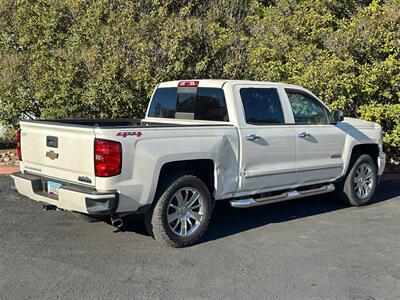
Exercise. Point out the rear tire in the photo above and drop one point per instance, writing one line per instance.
(359, 186)
(182, 213)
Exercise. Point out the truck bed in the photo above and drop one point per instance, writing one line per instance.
(92, 122)
(113, 123)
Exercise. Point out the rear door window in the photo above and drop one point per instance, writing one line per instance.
(262, 106)
(189, 103)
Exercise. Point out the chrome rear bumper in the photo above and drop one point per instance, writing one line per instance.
(70, 197)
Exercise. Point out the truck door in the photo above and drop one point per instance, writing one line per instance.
(268, 159)
(319, 144)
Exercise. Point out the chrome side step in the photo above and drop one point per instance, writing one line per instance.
(251, 202)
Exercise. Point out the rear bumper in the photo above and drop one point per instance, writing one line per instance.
(71, 197)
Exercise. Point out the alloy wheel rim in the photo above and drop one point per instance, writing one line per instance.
(185, 211)
(363, 181)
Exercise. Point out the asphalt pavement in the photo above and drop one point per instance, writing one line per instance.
(311, 248)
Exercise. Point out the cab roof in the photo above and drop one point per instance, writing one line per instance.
(219, 83)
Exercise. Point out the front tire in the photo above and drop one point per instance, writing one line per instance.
(182, 212)
(359, 186)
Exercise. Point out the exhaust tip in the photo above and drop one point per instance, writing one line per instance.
(117, 222)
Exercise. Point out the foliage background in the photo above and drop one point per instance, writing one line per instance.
(102, 58)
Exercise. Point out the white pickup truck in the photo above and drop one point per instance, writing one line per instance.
(248, 142)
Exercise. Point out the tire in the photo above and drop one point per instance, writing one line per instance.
(172, 221)
(350, 189)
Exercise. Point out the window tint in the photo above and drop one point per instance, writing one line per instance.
(262, 106)
(189, 103)
(306, 109)
(210, 105)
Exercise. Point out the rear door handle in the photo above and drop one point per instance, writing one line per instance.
(252, 137)
(303, 134)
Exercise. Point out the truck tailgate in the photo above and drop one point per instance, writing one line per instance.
(58, 151)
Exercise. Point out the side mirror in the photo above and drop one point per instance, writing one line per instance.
(337, 116)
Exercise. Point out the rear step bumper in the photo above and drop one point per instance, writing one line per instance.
(70, 197)
(251, 202)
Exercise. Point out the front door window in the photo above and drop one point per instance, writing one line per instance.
(306, 109)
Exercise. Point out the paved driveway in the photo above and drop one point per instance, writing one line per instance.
(310, 248)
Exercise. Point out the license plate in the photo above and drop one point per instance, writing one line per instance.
(53, 188)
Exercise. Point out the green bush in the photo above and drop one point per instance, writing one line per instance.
(348, 54)
(7, 135)
(388, 115)
(102, 58)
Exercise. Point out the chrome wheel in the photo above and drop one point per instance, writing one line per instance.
(363, 181)
(185, 211)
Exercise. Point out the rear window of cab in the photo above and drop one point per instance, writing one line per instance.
(193, 103)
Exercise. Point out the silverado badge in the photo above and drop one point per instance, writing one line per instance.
(52, 155)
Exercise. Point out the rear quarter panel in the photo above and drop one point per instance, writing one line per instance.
(146, 152)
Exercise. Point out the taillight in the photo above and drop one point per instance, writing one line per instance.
(19, 152)
(190, 83)
(107, 158)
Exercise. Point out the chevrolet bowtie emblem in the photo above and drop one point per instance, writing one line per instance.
(52, 155)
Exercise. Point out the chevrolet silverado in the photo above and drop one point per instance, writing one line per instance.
(248, 142)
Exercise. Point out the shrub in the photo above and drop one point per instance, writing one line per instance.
(102, 58)
(388, 115)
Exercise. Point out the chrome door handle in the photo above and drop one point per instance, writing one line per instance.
(303, 134)
(252, 137)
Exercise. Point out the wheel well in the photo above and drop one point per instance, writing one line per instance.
(202, 168)
(370, 149)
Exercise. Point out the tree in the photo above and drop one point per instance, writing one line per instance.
(103, 58)
(349, 57)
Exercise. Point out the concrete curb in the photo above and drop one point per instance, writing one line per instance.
(8, 170)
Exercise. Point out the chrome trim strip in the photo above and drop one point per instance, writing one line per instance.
(336, 166)
(269, 173)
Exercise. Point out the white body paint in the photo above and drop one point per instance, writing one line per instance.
(278, 160)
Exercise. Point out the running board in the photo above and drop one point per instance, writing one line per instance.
(251, 202)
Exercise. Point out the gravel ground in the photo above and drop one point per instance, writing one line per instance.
(310, 248)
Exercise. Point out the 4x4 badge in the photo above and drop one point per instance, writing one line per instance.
(130, 133)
